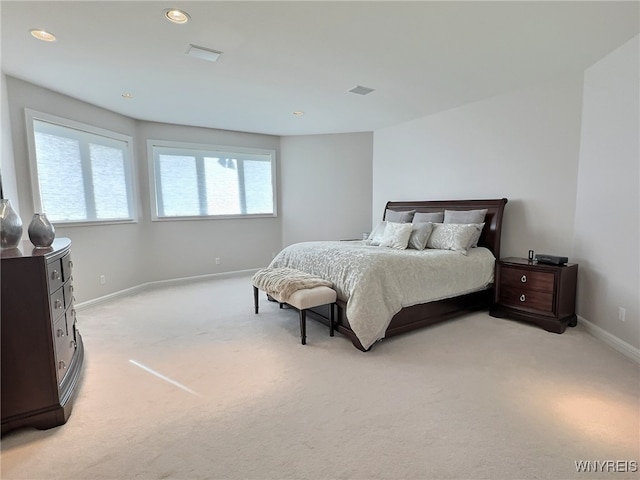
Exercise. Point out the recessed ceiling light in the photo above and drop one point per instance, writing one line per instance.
(176, 16)
(42, 35)
(128, 96)
(298, 113)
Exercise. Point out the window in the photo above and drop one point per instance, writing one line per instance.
(79, 173)
(208, 181)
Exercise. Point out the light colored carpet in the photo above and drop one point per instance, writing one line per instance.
(473, 398)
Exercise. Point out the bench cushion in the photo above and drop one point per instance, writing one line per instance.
(309, 297)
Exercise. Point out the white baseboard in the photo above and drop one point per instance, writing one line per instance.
(621, 346)
(161, 283)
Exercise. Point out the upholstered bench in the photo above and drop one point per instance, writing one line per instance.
(297, 289)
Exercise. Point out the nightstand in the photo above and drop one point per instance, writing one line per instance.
(538, 293)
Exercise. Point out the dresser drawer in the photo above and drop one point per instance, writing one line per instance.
(68, 295)
(67, 267)
(65, 346)
(54, 275)
(527, 279)
(527, 298)
(57, 303)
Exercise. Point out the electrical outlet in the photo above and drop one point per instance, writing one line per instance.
(622, 313)
(217, 260)
(103, 279)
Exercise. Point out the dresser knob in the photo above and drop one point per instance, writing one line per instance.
(72, 344)
(523, 279)
(60, 333)
(70, 264)
(522, 298)
(57, 304)
(55, 275)
(61, 365)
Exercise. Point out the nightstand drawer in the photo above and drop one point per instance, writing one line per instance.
(527, 279)
(527, 298)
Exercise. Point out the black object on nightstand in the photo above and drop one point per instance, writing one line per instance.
(541, 294)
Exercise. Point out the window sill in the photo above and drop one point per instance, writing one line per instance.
(92, 223)
(214, 217)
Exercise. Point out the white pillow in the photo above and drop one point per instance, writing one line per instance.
(396, 235)
(376, 235)
(453, 236)
(419, 235)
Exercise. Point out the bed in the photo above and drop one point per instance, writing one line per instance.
(383, 292)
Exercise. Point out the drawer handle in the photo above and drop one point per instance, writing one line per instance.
(70, 264)
(57, 304)
(72, 344)
(71, 288)
(55, 275)
(522, 298)
(523, 279)
(61, 365)
(60, 332)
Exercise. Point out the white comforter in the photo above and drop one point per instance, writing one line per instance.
(377, 282)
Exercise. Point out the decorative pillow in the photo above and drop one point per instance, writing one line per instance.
(376, 235)
(464, 216)
(452, 236)
(419, 235)
(396, 235)
(434, 217)
(476, 237)
(398, 217)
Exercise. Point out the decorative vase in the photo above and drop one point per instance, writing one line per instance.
(41, 231)
(10, 225)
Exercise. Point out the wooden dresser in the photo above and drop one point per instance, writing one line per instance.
(42, 351)
(534, 292)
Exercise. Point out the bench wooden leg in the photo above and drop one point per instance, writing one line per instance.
(332, 320)
(303, 327)
(255, 298)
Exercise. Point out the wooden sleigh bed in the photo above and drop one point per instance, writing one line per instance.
(424, 314)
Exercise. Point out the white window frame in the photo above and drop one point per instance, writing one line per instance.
(130, 170)
(200, 147)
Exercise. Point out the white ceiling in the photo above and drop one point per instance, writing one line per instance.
(421, 57)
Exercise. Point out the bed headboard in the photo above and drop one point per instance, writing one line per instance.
(492, 231)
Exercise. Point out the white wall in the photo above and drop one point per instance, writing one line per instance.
(326, 187)
(132, 254)
(521, 145)
(607, 238)
(7, 167)
(96, 250)
(185, 248)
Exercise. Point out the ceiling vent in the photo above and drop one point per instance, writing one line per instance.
(360, 90)
(203, 53)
